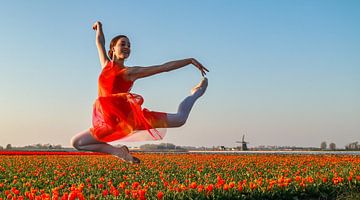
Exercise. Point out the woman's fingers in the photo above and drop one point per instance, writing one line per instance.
(202, 69)
(202, 72)
(198, 65)
(97, 25)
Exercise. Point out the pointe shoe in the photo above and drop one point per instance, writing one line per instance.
(201, 87)
(124, 155)
(134, 160)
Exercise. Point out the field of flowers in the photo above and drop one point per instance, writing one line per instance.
(177, 176)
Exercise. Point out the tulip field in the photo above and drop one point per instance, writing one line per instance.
(62, 175)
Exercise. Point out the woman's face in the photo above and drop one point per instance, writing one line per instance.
(122, 48)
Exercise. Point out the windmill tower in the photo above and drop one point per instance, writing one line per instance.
(243, 146)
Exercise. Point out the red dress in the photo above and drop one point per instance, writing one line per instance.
(117, 113)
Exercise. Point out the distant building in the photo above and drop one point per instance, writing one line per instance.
(243, 146)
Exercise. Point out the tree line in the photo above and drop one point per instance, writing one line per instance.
(35, 146)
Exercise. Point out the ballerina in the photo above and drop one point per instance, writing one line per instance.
(117, 113)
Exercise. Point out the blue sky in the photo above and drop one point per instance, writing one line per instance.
(282, 72)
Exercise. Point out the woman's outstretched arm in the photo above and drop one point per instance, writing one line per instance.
(100, 44)
(141, 72)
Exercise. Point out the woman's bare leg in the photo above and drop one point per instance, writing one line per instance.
(85, 141)
(178, 119)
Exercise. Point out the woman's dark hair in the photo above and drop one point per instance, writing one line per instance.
(112, 44)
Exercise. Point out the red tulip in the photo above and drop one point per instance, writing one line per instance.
(160, 195)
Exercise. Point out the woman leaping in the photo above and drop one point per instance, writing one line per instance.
(118, 113)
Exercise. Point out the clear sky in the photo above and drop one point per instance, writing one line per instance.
(281, 72)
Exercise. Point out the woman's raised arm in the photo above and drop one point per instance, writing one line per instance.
(141, 72)
(100, 43)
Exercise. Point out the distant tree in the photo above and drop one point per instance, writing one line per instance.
(323, 145)
(162, 146)
(332, 146)
(148, 147)
(353, 146)
(8, 146)
(1, 148)
(166, 146)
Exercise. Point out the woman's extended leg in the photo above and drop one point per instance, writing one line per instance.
(178, 119)
(85, 141)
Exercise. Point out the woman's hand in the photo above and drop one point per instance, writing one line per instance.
(99, 33)
(198, 65)
(97, 26)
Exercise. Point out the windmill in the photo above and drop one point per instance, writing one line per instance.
(243, 146)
